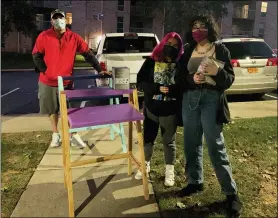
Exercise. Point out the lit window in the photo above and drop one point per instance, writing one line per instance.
(245, 10)
(69, 18)
(263, 9)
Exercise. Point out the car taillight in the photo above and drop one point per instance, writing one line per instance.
(103, 66)
(271, 62)
(235, 63)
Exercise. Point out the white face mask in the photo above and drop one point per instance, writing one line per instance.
(59, 24)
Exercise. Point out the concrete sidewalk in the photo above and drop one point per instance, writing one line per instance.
(100, 190)
(253, 109)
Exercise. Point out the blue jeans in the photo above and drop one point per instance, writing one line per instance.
(199, 110)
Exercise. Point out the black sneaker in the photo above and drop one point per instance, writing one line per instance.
(234, 206)
(191, 189)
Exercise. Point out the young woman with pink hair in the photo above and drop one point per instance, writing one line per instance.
(157, 79)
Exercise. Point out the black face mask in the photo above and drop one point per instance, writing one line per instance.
(170, 51)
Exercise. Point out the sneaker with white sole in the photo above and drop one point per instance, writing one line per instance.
(55, 140)
(77, 141)
(138, 175)
(169, 176)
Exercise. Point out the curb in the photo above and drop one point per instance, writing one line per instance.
(16, 70)
(27, 70)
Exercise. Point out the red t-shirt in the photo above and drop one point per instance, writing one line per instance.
(59, 55)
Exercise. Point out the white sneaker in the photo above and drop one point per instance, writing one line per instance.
(77, 141)
(55, 140)
(169, 176)
(138, 175)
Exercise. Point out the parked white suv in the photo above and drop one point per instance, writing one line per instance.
(125, 50)
(255, 66)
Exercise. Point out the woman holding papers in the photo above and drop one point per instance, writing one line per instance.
(207, 72)
(157, 79)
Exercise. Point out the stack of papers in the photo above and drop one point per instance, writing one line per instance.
(201, 69)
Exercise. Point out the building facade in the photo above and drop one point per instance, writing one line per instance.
(90, 19)
(251, 18)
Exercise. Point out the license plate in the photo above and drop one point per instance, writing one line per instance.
(252, 70)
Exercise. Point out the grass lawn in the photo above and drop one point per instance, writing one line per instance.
(251, 145)
(252, 149)
(10, 60)
(21, 153)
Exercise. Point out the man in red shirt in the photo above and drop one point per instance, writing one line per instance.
(54, 54)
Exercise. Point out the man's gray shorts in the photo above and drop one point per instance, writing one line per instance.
(49, 100)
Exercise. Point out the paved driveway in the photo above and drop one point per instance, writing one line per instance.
(19, 91)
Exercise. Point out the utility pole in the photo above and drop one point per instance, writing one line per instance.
(18, 46)
(163, 28)
(100, 16)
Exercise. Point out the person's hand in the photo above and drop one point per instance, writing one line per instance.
(199, 78)
(164, 89)
(105, 73)
(211, 68)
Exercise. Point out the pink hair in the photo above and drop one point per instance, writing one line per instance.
(157, 53)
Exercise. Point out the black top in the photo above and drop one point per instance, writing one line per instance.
(224, 78)
(151, 76)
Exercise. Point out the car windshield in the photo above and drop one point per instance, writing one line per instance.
(139, 44)
(254, 50)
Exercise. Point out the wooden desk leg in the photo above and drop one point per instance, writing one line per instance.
(70, 194)
(64, 153)
(66, 149)
(64, 162)
(112, 135)
(130, 125)
(68, 173)
(143, 165)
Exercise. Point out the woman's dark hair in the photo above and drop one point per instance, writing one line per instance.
(210, 24)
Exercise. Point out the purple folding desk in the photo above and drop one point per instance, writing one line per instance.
(96, 93)
(75, 119)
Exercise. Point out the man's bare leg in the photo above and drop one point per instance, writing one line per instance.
(55, 136)
(54, 122)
